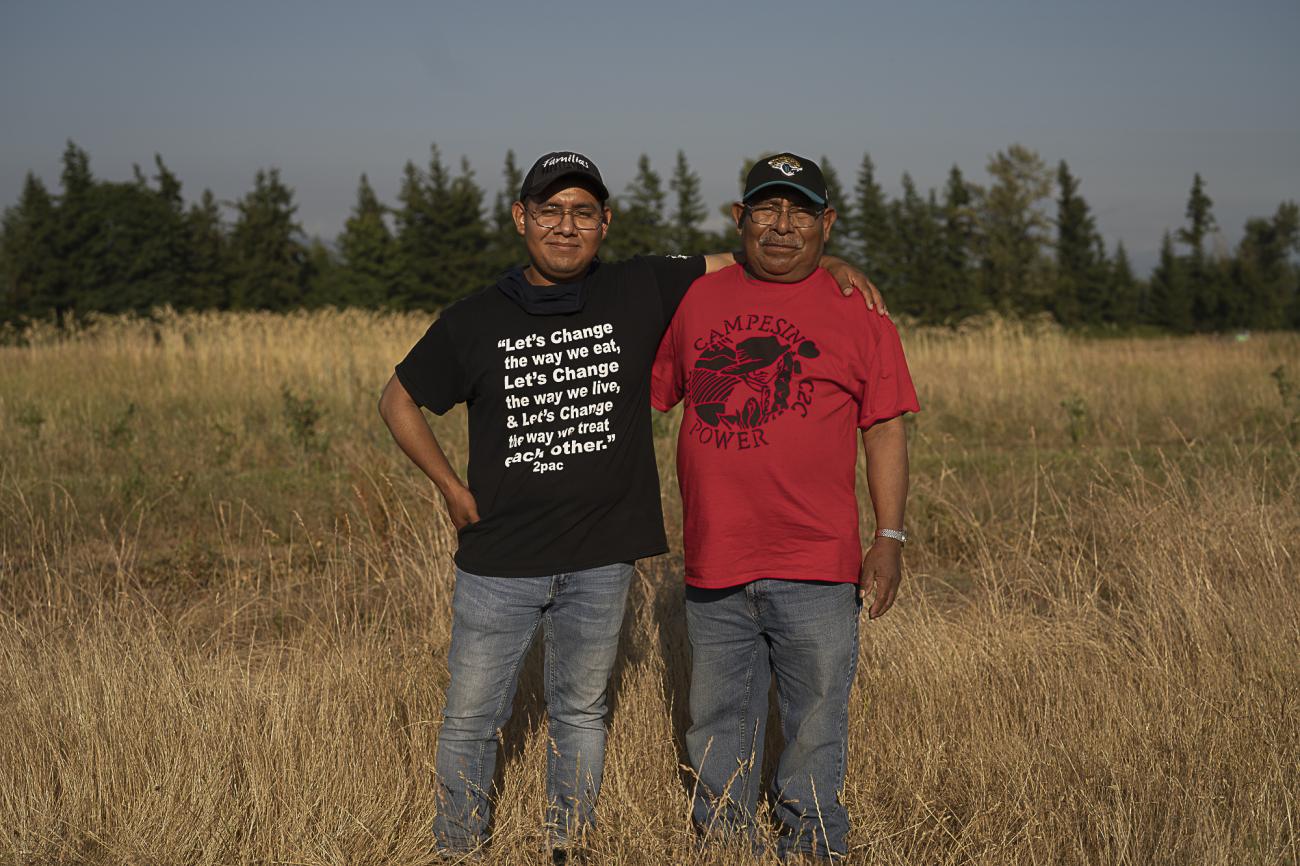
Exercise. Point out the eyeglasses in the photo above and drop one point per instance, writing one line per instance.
(585, 219)
(768, 215)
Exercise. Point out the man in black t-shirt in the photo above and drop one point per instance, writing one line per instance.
(553, 361)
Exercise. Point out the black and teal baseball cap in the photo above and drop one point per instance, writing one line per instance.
(786, 169)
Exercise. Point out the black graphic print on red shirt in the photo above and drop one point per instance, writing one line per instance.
(750, 371)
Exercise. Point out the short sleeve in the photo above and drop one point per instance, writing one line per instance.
(674, 275)
(432, 372)
(667, 383)
(887, 390)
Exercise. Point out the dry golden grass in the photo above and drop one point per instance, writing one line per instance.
(224, 611)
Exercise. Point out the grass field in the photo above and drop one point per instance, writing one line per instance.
(225, 609)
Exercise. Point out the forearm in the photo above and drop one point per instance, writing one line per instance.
(887, 471)
(412, 434)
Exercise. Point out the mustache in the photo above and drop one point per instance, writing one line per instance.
(772, 239)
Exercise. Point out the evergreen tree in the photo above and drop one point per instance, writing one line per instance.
(122, 246)
(686, 236)
(29, 255)
(1262, 271)
(161, 245)
(639, 227)
(955, 274)
(79, 239)
(1200, 221)
(1202, 279)
(1122, 295)
(442, 239)
(76, 178)
(417, 242)
(870, 228)
(103, 247)
(1170, 303)
(268, 257)
(1082, 279)
(918, 254)
(505, 247)
(466, 266)
(328, 281)
(169, 186)
(140, 249)
(727, 237)
(1286, 232)
(841, 241)
(207, 281)
(367, 260)
(1013, 231)
(110, 246)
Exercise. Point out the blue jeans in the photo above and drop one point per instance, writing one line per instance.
(495, 619)
(807, 635)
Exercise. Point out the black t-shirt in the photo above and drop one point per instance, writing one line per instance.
(561, 458)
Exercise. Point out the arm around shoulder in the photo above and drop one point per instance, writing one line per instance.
(717, 261)
(850, 278)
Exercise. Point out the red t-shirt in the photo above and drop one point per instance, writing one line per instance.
(777, 378)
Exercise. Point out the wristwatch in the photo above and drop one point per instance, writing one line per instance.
(899, 535)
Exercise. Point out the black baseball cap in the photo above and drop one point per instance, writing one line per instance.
(558, 164)
(786, 169)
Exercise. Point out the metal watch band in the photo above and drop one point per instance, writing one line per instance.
(899, 535)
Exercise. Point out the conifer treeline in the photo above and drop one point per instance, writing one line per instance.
(1025, 244)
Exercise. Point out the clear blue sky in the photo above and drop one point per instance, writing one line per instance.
(1136, 96)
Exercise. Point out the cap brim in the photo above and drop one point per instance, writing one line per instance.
(803, 189)
(550, 181)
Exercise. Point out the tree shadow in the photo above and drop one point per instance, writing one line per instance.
(656, 604)
(667, 588)
(666, 598)
(630, 650)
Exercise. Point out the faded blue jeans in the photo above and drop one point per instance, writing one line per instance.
(495, 619)
(806, 633)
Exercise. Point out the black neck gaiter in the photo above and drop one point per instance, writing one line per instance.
(544, 300)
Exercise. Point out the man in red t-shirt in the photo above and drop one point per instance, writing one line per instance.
(776, 383)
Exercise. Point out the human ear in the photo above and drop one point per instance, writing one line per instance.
(828, 219)
(738, 214)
